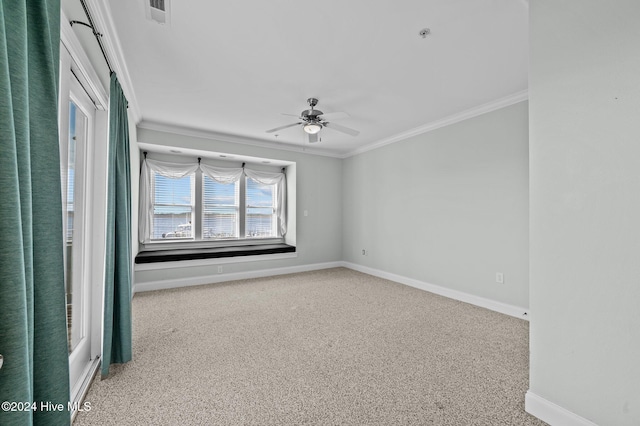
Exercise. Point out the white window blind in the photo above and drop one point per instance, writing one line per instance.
(173, 205)
(221, 209)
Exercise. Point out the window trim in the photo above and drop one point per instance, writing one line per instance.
(197, 241)
(274, 207)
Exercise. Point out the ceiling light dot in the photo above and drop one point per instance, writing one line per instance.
(424, 32)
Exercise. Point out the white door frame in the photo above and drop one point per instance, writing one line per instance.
(77, 64)
(80, 357)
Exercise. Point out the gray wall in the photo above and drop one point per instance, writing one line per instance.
(585, 207)
(319, 191)
(448, 207)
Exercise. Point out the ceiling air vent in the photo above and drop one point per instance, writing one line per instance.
(158, 10)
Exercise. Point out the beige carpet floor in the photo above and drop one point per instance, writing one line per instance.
(329, 347)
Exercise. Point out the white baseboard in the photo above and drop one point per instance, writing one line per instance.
(552, 413)
(514, 311)
(503, 308)
(217, 278)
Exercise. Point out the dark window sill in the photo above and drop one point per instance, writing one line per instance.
(176, 255)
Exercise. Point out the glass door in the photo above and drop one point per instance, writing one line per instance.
(77, 115)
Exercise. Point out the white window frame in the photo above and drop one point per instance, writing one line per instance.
(197, 223)
(192, 206)
(237, 207)
(274, 207)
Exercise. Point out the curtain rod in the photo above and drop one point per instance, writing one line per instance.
(200, 160)
(96, 34)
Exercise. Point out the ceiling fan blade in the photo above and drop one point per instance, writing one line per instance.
(312, 138)
(342, 129)
(335, 116)
(283, 127)
(291, 115)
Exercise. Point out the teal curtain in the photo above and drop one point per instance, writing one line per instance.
(117, 299)
(33, 330)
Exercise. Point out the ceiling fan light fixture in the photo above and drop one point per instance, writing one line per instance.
(312, 128)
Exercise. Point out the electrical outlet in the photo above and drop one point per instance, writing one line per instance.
(499, 277)
(219, 269)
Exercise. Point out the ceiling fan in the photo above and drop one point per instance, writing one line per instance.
(313, 120)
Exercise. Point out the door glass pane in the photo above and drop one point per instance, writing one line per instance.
(73, 282)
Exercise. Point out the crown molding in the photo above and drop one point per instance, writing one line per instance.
(452, 119)
(101, 14)
(223, 137)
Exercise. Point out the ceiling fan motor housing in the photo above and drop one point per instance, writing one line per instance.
(311, 114)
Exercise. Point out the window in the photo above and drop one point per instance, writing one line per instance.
(261, 220)
(173, 205)
(198, 203)
(220, 209)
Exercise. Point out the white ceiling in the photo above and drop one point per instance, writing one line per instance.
(233, 67)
